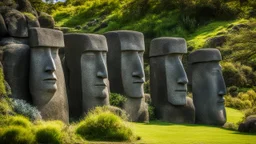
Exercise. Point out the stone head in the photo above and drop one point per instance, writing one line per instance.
(125, 62)
(208, 86)
(90, 51)
(45, 65)
(168, 77)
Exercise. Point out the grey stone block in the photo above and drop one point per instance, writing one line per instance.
(43, 37)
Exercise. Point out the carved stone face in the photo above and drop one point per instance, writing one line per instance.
(132, 73)
(208, 90)
(43, 79)
(176, 79)
(94, 74)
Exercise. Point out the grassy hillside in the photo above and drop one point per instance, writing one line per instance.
(160, 132)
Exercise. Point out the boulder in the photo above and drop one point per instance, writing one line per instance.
(24, 6)
(32, 21)
(45, 20)
(216, 41)
(16, 23)
(12, 40)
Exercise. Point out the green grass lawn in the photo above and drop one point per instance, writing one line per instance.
(167, 133)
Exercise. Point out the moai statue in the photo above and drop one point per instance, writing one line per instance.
(46, 82)
(208, 86)
(86, 72)
(168, 81)
(126, 71)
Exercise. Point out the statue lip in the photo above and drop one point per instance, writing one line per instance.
(184, 90)
(139, 81)
(51, 79)
(100, 84)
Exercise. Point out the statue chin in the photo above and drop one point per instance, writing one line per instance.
(179, 101)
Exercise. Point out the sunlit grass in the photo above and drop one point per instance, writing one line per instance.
(166, 133)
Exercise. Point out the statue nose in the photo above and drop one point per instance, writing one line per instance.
(50, 64)
(138, 67)
(182, 79)
(102, 68)
(221, 85)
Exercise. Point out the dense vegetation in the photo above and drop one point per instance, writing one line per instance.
(228, 25)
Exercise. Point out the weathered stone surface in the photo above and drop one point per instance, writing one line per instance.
(13, 40)
(46, 81)
(87, 77)
(32, 21)
(208, 86)
(3, 29)
(126, 71)
(16, 23)
(216, 41)
(46, 20)
(42, 37)
(16, 70)
(168, 81)
(137, 109)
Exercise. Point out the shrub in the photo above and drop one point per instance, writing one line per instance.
(16, 135)
(233, 91)
(2, 86)
(101, 124)
(117, 100)
(251, 111)
(23, 108)
(5, 106)
(18, 121)
(232, 75)
(151, 112)
(49, 132)
(230, 126)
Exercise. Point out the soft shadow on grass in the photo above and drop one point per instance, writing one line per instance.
(242, 133)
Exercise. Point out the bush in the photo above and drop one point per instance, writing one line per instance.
(49, 132)
(232, 75)
(117, 100)
(230, 126)
(5, 106)
(101, 124)
(23, 108)
(17, 121)
(16, 135)
(251, 111)
(244, 100)
(233, 91)
(151, 112)
(2, 86)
